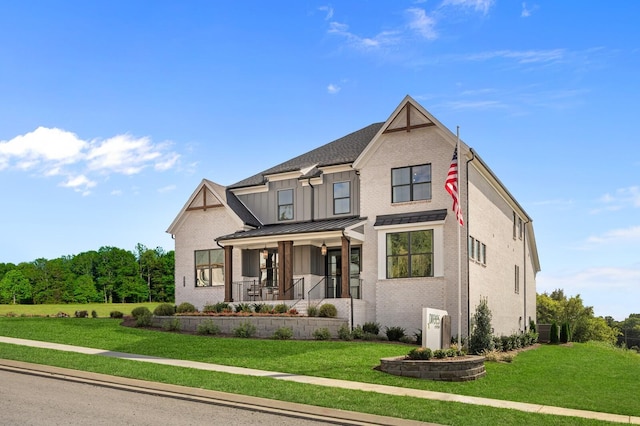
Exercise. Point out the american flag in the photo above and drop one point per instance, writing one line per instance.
(451, 185)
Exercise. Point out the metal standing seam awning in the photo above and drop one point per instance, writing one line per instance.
(317, 232)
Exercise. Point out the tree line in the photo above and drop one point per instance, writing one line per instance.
(583, 324)
(108, 275)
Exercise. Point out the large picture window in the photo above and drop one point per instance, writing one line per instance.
(285, 204)
(410, 254)
(411, 183)
(341, 198)
(209, 267)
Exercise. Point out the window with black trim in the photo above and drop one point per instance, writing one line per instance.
(477, 250)
(410, 254)
(341, 197)
(411, 183)
(285, 204)
(209, 267)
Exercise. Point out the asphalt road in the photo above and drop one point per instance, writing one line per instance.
(33, 400)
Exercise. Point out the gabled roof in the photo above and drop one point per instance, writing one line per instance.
(341, 151)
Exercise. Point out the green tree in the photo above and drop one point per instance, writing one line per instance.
(84, 290)
(14, 287)
(481, 339)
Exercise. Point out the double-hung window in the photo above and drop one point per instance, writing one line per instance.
(410, 254)
(341, 198)
(209, 267)
(285, 204)
(411, 183)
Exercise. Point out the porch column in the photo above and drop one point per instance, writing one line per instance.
(228, 274)
(346, 267)
(285, 267)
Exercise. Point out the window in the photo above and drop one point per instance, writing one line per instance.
(483, 254)
(341, 198)
(472, 247)
(477, 251)
(285, 204)
(515, 219)
(520, 228)
(410, 254)
(209, 267)
(517, 280)
(411, 183)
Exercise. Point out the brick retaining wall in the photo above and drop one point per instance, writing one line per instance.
(303, 327)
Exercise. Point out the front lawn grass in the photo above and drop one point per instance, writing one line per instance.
(582, 376)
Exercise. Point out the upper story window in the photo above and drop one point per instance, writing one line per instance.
(285, 204)
(209, 267)
(411, 183)
(410, 254)
(341, 198)
(477, 250)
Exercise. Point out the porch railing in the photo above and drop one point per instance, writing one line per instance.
(256, 290)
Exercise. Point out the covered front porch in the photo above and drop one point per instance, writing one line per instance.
(295, 261)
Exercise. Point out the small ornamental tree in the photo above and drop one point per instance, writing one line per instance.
(565, 333)
(553, 338)
(481, 339)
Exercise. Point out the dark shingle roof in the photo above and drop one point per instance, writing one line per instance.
(402, 218)
(341, 151)
(295, 228)
(241, 210)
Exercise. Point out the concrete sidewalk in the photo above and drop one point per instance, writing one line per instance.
(343, 384)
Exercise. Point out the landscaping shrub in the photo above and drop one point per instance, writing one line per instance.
(371, 327)
(140, 311)
(280, 308)
(116, 314)
(208, 327)
(481, 339)
(420, 354)
(344, 333)
(451, 352)
(81, 314)
(216, 308)
(439, 353)
(394, 333)
(370, 336)
(144, 320)
(186, 308)
(532, 326)
(283, 333)
(553, 338)
(322, 334)
(266, 309)
(565, 334)
(94, 314)
(328, 310)
(164, 310)
(408, 340)
(245, 330)
(257, 307)
(418, 337)
(357, 333)
(243, 307)
(312, 311)
(173, 325)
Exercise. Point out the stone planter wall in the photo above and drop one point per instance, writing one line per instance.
(461, 369)
(303, 327)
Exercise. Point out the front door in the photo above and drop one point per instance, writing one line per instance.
(333, 273)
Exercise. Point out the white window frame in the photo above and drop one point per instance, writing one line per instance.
(438, 247)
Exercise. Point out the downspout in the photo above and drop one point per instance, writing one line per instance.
(524, 268)
(312, 199)
(466, 172)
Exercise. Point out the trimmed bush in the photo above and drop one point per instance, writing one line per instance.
(322, 334)
(186, 308)
(245, 330)
(266, 309)
(357, 333)
(565, 333)
(116, 314)
(144, 320)
(408, 340)
(280, 308)
(164, 310)
(328, 310)
(440, 353)
(394, 333)
(81, 314)
(208, 327)
(371, 327)
(553, 338)
(94, 314)
(344, 333)
(173, 325)
(283, 333)
(216, 308)
(312, 311)
(420, 354)
(140, 311)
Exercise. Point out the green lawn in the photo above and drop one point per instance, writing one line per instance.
(102, 309)
(581, 376)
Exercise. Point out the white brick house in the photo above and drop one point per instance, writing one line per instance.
(370, 206)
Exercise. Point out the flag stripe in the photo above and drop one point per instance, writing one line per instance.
(451, 185)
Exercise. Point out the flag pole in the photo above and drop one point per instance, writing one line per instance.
(459, 255)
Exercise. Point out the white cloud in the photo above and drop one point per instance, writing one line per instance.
(421, 23)
(477, 5)
(52, 152)
(383, 39)
(522, 57)
(617, 236)
(333, 89)
(527, 11)
(475, 105)
(328, 10)
(167, 188)
(620, 199)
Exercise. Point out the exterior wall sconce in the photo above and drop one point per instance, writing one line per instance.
(265, 253)
(323, 249)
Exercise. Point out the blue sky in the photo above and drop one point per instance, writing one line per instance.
(112, 112)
